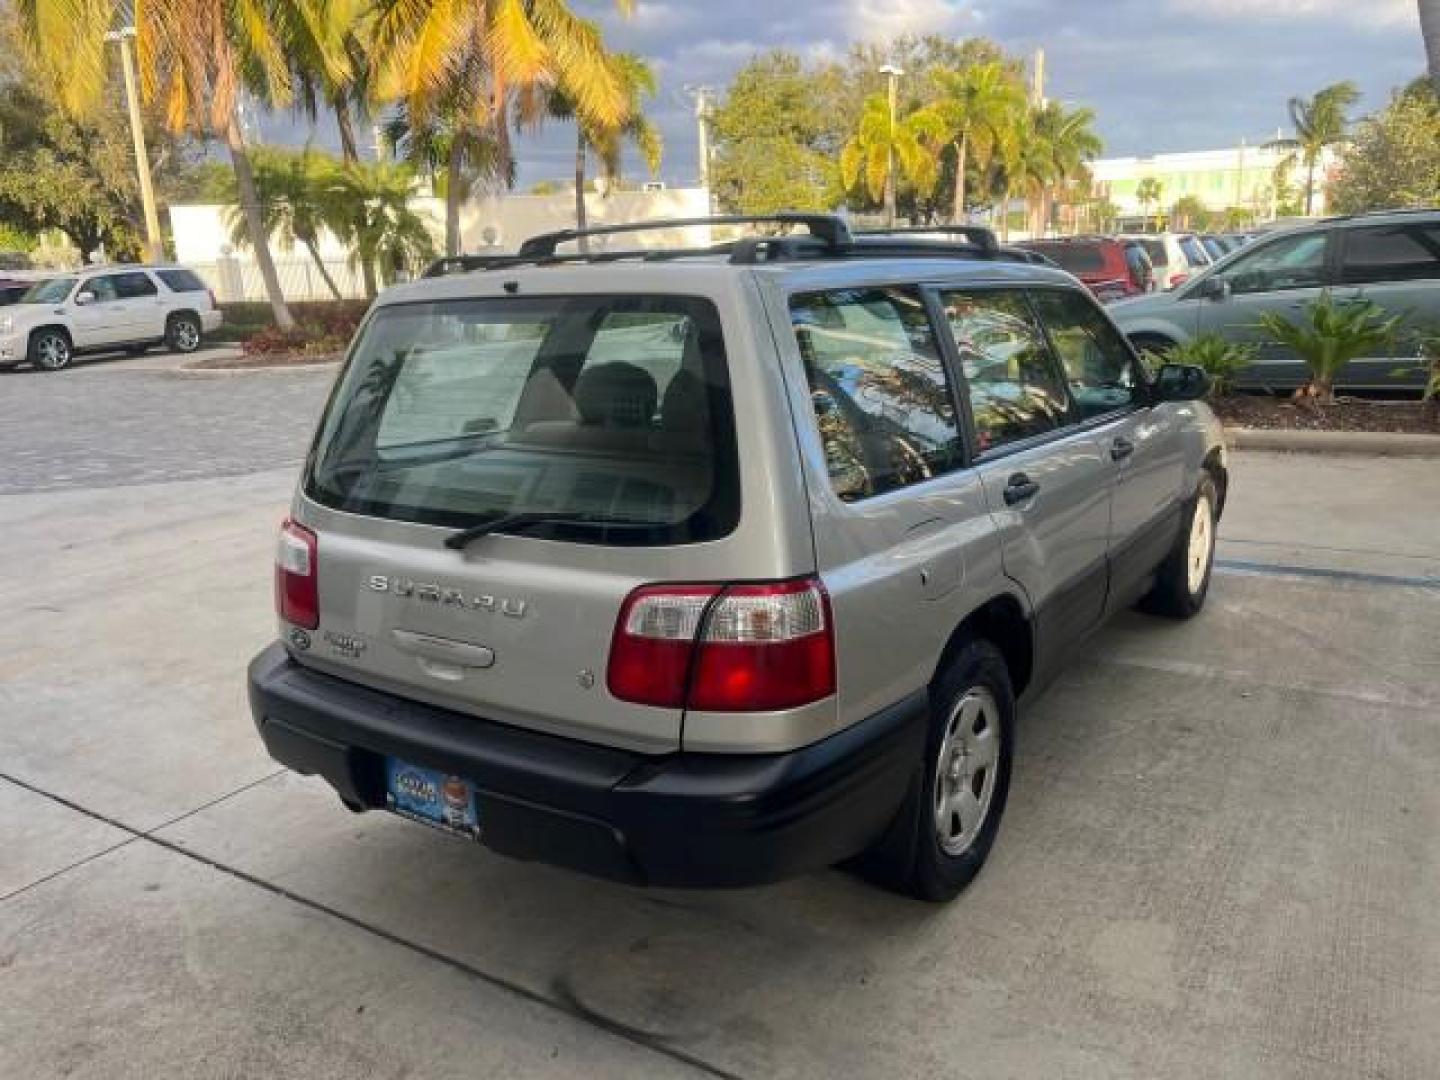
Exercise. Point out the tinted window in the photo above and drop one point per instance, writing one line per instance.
(181, 280)
(1193, 251)
(882, 402)
(1016, 388)
(1156, 250)
(1076, 258)
(50, 291)
(133, 286)
(11, 294)
(102, 288)
(1137, 263)
(1392, 253)
(613, 408)
(1098, 365)
(1292, 262)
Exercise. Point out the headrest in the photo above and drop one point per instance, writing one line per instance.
(616, 395)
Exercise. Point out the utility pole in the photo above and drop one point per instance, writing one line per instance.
(155, 246)
(892, 75)
(1037, 87)
(702, 96)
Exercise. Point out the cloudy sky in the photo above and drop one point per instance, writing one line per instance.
(1163, 75)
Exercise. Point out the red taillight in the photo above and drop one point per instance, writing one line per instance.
(297, 588)
(737, 648)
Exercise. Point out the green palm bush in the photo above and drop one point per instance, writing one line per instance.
(1332, 334)
(1222, 360)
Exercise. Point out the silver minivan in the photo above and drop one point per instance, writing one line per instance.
(706, 568)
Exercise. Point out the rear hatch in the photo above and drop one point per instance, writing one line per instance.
(593, 434)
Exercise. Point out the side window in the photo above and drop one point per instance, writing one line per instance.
(883, 405)
(102, 287)
(181, 280)
(1408, 252)
(1016, 388)
(1098, 365)
(134, 286)
(1293, 262)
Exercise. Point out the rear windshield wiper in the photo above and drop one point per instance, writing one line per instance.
(519, 522)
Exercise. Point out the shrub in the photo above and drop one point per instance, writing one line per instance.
(1333, 334)
(323, 327)
(1222, 360)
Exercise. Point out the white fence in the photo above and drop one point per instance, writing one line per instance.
(235, 279)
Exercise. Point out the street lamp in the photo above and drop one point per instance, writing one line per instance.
(892, 75)
(154, 245)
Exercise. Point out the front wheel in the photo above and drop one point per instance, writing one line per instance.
(50, 350)
(945, 829)
(183, 334)
(1183, 579)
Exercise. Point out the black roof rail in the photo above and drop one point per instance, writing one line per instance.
(464, 264)
(978, 235)
(828, 229)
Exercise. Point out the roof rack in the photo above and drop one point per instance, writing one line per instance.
(829, 229)
(978, 235)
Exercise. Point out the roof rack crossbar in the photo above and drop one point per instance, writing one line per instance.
(978, 235)
(827, 228)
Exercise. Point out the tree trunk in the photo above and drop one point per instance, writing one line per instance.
(957, 212)
(890, 194)
(324, 273)
(1309, 186)
(454, 182)
(367, 271)
(1005, 215)
(580, 164)
(349, 148)
(254, 224)
(1430, 31)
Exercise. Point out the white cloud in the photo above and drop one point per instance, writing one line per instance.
(1376, 14)
(876, 20)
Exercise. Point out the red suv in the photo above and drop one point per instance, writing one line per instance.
(1110, 268)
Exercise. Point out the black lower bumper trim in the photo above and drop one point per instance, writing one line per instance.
(683, 819)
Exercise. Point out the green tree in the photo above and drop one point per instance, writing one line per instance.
(1319, 122)
(607, 140)
(886, 147)
(1331, 335)
(388, 240)
(975, 104)
(298, 194)
(1148, 193)
(1394, 159)
(1189, 212)
(1066, 142)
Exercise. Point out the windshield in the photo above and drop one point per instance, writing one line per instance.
(607, 410)
(49, 291)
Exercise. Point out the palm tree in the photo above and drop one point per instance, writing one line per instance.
(297, 201)
(196, 58)
(1148, 193)
(476, 64)
(607, 140)
(1068, 141)
(882, 143)
(1430, 31)
(388, 239)
(975, 105)
(1319, 122)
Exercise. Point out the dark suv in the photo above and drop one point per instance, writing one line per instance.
(1111, 269)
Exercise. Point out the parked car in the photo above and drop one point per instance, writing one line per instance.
(1110, 268)
(717, 570)
(1173, 264)
(1215, 247)
(106, 308)
(1392, 258)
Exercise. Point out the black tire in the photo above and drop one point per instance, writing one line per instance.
(50, 350)
(1176, 594)
(911, 857)
(183, 333)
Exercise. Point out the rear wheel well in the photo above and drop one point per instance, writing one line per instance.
(170, 319)
(1002, 622)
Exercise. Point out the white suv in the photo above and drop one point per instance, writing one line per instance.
(130, 308)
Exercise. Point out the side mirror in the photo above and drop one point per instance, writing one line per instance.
(1216, 288)
(1180, 382)
(83, 298)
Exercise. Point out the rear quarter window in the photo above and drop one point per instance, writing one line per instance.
(181, 280)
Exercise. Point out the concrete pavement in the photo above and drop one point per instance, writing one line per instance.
(1220, 856)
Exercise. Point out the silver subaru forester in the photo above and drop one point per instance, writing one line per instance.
(710, 567)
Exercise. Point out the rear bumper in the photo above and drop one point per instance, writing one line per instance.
(684, 819)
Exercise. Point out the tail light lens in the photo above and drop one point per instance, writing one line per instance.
(737, 648)
(297, 588)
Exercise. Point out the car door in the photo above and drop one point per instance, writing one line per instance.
(1284, 275)
(1144, 443)
(1045, 476)
(140, 313)
(1397, 265)
(94, 322)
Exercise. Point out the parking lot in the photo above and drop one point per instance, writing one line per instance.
(1221, 856)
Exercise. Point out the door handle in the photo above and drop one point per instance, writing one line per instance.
(1019, 488)
(1121, 449)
